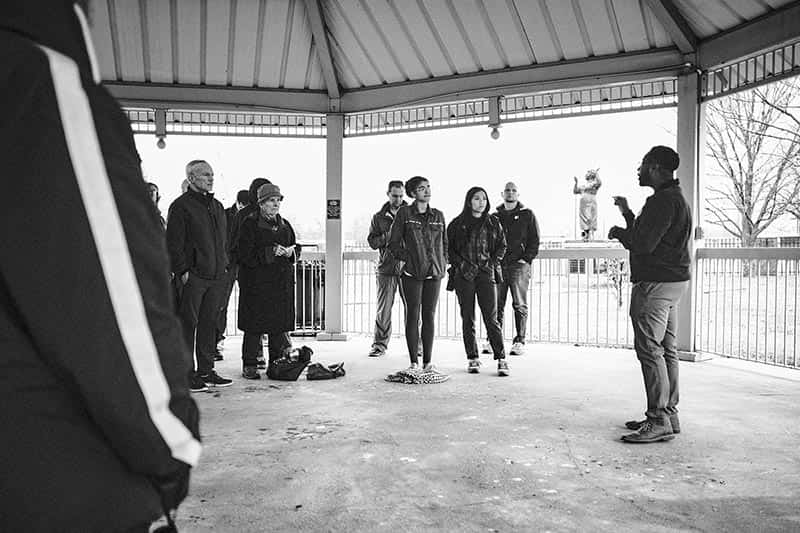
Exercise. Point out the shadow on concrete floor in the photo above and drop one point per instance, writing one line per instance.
(536, 451)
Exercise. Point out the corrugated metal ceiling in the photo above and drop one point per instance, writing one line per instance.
(270, 43)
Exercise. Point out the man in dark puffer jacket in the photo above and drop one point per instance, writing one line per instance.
(99, 431)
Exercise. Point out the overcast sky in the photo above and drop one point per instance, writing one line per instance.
(541, 157)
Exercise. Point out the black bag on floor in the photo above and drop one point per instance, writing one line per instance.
(318, 371)
(289, 368)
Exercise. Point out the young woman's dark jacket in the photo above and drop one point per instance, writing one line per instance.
(476, 246)
(419, 240)
(266, 298)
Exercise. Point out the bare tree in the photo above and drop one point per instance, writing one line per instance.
(754, 142)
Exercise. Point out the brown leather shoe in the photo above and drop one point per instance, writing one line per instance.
(653, 430)
(636, 424)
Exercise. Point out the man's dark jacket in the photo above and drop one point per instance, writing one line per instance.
(250, 209)
(230, 216)
(378, 239)
(197, 235)
(658, 239)
(95, 410)
(419, 239)
(522, 233)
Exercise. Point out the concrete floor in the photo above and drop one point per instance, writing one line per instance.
(537, 451)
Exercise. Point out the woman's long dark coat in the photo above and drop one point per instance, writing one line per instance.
(266, 282)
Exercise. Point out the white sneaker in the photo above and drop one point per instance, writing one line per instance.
(413, 366)
(518, 348)
(502, 368)
(487, 348)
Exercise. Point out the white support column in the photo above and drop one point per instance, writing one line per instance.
(333, 230)
(691, 139)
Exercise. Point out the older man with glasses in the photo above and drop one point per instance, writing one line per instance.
(196, 240)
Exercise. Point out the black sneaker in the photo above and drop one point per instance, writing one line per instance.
(376, 351)
(196, 384)
(215, 380)
(250, 372)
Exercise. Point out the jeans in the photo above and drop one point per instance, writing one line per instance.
(654, 314)
(198, 313)
(421, 299)
(484, 289)
(517, 277)
(278, 345)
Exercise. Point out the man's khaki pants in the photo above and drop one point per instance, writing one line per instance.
(654, 313)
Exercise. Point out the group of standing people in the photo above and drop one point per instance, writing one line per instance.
(210, 248)
(94, 365)
(489, 254)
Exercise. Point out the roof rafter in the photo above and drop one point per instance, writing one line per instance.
(211, 98)
(678, 29)
(323, 48)
(773, 29)
(634, 66)
(557, 75)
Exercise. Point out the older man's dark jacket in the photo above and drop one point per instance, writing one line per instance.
(197, 235)
(378, 239)
(97, 422)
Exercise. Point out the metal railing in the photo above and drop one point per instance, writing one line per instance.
(590, 101)
(769, 66)
(467, 113)
(578, 296)
(515, 108)
(652, 94)
(746, 301)
(747, 304)
(792, 241)
(238, 124)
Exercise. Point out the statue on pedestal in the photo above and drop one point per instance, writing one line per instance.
(588, 204)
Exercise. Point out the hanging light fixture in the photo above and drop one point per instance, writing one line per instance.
(494, 117)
